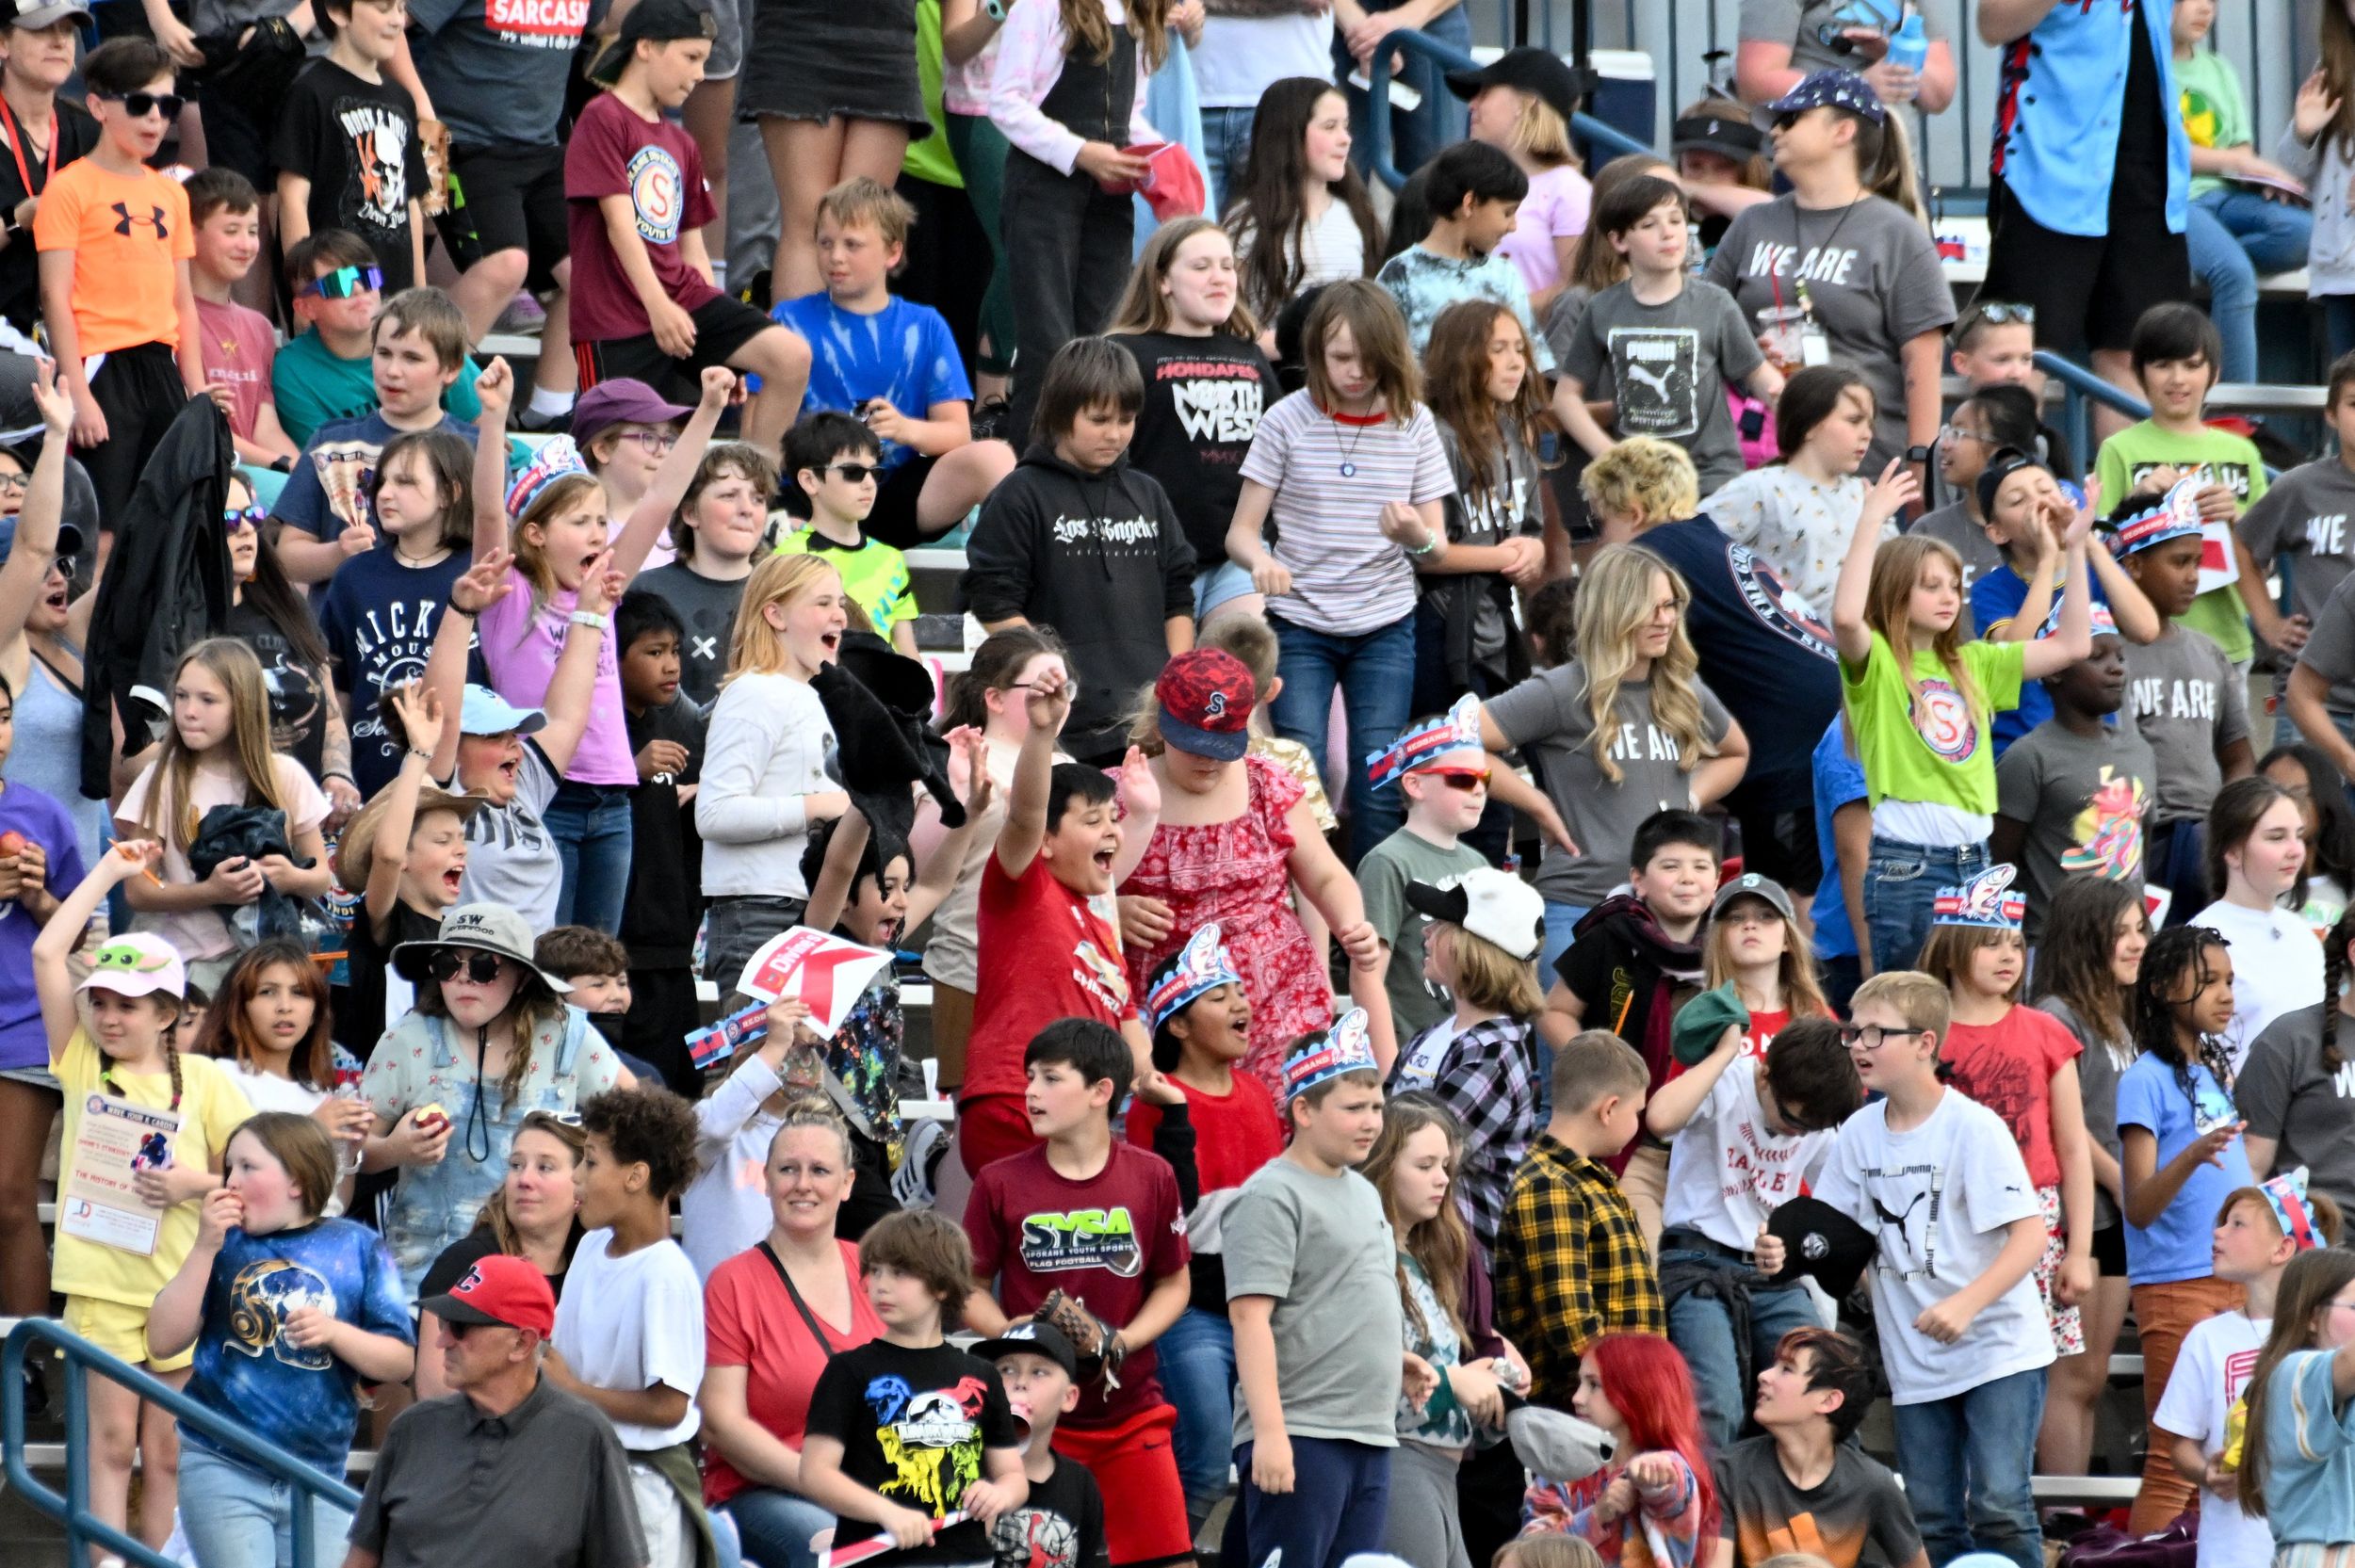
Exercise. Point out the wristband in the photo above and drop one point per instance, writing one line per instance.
(282, 465)
(1434, 542)
(590, 617)
(421, 754)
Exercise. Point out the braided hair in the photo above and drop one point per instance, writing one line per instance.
(2335, 948)
(2173, 954)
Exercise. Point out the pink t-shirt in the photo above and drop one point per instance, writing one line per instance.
(2008, 1066)
(520, 648)
(240, 346)
(1555, 208)
(201, 934)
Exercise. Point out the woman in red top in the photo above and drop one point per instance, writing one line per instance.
(1234, 837)
(775, 1315)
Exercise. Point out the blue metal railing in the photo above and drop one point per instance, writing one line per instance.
(83, 1528)
(1449, 57)
(2080, 390)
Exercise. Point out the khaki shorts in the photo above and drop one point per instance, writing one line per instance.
(120, 1331)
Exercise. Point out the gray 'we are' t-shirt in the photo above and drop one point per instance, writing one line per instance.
(1665, 367)
(1320, 1246)
(2189, 703)
(1547, 718)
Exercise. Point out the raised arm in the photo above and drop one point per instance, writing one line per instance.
(52, 979)
(573, 685)
(655, 509)
(482, 585)
(1894, 491)
(495, 386)
(35, 547)
(1025, 824)
(2073, 640)
(1678, 1101)
(421, 719)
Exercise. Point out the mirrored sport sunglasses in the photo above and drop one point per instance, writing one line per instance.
(1465, 779)
(140, 104)
(482, 968)
(345, 281)
(233, 518)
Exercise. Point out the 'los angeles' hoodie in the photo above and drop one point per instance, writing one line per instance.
(1102, 559)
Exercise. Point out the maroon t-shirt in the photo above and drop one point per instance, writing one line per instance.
(655, 163)
(1104, 1240)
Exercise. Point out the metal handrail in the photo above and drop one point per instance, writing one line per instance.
(1449, 57)
(83, 1528)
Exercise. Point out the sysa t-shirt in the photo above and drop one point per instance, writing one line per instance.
(2176, 1245)
(304, 1401)
(914, 1425)
(614, 152)
(1935, 749)
(903, 352)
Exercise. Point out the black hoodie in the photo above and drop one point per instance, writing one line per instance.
(1101, 557)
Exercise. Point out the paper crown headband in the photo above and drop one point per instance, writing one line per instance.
(2173, 515)
(1456, 730)
(1344, 1049)
(1985, 902)
(1202, 966)
(2105, 623)
(552, 461)
(2287, 1193)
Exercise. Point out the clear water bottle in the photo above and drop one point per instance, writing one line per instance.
(1909, 45)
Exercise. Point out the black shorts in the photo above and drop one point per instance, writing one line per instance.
(2088, 292)
(2109, 1251)
(722, 326)
(894, 521)
(1779, 832)
(515, 201)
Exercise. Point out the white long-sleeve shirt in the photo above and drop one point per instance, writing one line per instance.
(765, 749)
(1031, 50)
(725, 1209)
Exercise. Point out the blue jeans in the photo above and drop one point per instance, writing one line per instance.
(1376, 671)
(1901, 884)
(240, 1518)
(591, 826)
(1196, 1363)
(1226, 150)
(1965, 1461)
(1339, 1506)
(1560, 920)
(2233, 236)
(1442, 120)
(1703, 1333)
(775, 1527)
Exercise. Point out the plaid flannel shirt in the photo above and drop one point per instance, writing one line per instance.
(1488, 1078)
(1571, 1267)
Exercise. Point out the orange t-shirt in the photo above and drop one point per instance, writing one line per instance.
(126, 232)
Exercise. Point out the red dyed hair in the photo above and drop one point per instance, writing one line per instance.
(1646, 1382)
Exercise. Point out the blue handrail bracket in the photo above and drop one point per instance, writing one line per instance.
(72, 1510)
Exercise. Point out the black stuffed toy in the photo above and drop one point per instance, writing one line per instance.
(880, 703)
(249, 833)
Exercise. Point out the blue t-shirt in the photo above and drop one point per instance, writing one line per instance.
(1839, 779)
(903, 352)
(43, 821)
(1996, 596)
(2310, 1446)
(2178, 1246)
(1762, 650)
(306, 1401)
(379, 618)
(303, 502)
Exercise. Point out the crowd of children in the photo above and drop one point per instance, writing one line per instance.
(1273, 1164)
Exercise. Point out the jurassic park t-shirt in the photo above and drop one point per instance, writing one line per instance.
(913, 1425)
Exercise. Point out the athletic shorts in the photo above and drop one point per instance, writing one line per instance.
(722, 326)
(120, 1331)
(515, 196)
(2088, 291)
(895, 521)
(1135, 1464)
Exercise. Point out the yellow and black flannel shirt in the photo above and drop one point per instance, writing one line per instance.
(1571, 1267)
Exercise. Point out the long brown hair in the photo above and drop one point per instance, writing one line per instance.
(171, 809)
(996, 665)
(533, 1007)
(227, 1034)
(1143, 308)
(1379, 332)
(1266, 204)
(2075, 960)
(1595, 263)
(1802, 992)
(1440, 1244)
(2338, 72)
(1088, 31)
(1889, 611)
(1456, 386)
(2308, 1286)
(1615, 596)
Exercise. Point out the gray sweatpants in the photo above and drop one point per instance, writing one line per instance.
(1423, 1527)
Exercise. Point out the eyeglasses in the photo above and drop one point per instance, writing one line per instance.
(1872, 1036)
(140, 104)
(344, 282)
(656, 442)
(235, 518)
(15, 483)
(1955, 433)
(1465, 779)
(482, 968)
(857, 473)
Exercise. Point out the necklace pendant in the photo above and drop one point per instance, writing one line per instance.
(1349, 470)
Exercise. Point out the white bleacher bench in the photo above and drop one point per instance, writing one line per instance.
(1970, 270)
(2089, 1491)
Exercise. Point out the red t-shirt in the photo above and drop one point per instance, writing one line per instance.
(1043, 955)
(656, 165)
(1234, 1134)
(749, 1321)
(1762, 1033)
(238, 349)
(2008, 1066)
(1104, 1240)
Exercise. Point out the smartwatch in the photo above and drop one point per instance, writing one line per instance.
(1918, 454)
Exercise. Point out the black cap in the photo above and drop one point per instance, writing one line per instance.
(653, 21)
(1530, 69)
(1034, 1338)
(1725, 131)
(1823, 1242)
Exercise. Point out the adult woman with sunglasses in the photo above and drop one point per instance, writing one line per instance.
(1235, 833)
(269, 616)
(535, 1215)
(1622, 729)
(490, 1040)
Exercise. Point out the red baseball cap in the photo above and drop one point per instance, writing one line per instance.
(1206, 696)
(500, 1292)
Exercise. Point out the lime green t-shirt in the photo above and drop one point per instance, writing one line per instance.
(2214, 111)
(2221, 458)
(930, 159)
(874, 575)
(1943, 753)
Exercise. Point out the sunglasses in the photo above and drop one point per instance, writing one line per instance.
(140, 104)
(482, 968)
(235, 518)
(857, 473)
(344, 282)
(1465, 779)
(2001, 315)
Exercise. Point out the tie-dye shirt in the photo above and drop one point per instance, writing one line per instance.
(903, 352)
